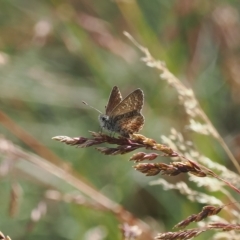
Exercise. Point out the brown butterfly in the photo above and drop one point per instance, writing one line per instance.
(123, 116)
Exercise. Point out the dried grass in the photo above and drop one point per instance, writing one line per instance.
(185, 159)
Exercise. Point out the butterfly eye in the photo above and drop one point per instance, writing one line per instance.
(104, 118)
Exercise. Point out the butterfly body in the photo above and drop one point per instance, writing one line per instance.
(123, 116)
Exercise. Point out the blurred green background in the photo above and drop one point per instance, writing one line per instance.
(55, 54)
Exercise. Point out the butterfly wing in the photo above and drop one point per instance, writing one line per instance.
(133, 102)
(131, 123)
(114, 99)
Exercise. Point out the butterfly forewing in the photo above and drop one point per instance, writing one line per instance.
(134, 101)
(114, 99)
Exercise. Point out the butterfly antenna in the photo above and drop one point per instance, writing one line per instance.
(91, 106)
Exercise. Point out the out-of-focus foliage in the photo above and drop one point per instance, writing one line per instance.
(55, 54)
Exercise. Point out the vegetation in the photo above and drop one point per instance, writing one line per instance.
(54, 55)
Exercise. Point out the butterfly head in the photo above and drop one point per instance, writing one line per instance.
(103, 120)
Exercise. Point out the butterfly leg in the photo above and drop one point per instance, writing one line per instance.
(100, 130)
(111, 134)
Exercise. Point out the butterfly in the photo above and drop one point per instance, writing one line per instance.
(123, 116)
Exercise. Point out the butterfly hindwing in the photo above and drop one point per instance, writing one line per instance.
(131, 123)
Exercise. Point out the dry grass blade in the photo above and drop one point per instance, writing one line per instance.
(181, 235)
(141, 156)
(16, 192)
(97, 139)
(75, 198)
(191, 233)
(172, 169)
(76, 141)
(136, 141)
(225, 226)
(125, 145)
(206, 212)
(2, 237)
